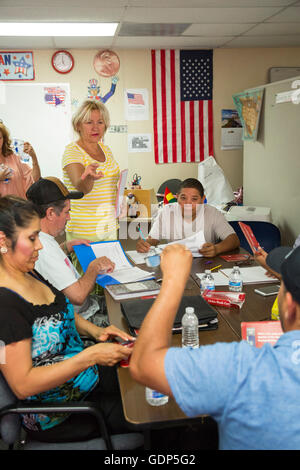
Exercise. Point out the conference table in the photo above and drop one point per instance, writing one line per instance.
(139, 414)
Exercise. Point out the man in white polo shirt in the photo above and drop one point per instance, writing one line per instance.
(52, 199)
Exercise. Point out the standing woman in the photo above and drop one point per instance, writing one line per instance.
(89, 166)
(16, 177)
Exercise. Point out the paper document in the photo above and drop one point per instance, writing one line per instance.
(140, 258)
(251, 275)
(193, 243)
(120, 194)
(123, 272)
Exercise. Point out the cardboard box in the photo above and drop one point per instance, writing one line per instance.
(144, 199)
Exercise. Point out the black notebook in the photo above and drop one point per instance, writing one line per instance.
(135, 311)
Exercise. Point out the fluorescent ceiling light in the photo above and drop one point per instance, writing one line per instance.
(58, 29)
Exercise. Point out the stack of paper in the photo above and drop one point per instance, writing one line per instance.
(123, 272)
(250, 275)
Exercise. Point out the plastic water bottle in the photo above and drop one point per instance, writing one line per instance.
(190, 329)
(235, 280)
(207, 281)
(7, 180)
(155, 398)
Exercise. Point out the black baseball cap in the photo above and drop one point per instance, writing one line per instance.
(286, 261)
(50, 189)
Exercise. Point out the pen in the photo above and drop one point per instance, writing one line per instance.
(139, 229)
(216, 267)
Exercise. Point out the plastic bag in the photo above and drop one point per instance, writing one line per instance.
(275, 310)
(224, 299)
(216, 187)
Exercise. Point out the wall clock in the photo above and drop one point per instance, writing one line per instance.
(62, 61)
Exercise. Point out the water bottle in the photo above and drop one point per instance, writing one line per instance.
(235, 280)
(7, 180)
(190, 327)
(207, 281)
(155, 398)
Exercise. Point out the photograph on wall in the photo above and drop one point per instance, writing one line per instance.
(248, 105)
(231, 130)
(16, 65)
(139, 143)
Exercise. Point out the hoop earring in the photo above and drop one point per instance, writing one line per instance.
(3, 250)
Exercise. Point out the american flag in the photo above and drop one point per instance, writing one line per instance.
(135, 98)
(54, 95)
(182, 105)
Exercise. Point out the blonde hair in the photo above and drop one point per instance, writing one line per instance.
(6, 147)
(84, 113)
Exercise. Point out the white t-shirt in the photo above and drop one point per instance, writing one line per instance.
(171, 225)
(54, 265)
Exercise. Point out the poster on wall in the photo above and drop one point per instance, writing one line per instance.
(139, 143)
(231, 131)
(248, 105)
(16, 65)
(136, 103)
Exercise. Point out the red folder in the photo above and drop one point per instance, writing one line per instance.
(249, 235)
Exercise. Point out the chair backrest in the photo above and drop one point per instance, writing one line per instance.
(10, 424)
(172, 185)
(266, 233)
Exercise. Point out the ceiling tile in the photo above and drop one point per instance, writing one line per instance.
(289, 14)
(209, 3)
(265, 41)
(82, 42)
(217, 29)
(199, 15)
(26, 43)
(274, 29)
(169, 42)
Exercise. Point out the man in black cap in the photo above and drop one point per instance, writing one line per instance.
(52, 199)
(252, 393)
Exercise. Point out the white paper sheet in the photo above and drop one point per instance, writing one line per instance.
(124, 271)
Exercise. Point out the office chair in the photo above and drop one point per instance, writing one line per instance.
(10, 425)
(266, 233)
(172, 185)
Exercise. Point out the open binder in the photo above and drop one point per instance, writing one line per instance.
(135, 311)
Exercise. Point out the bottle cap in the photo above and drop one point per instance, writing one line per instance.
(189, 310)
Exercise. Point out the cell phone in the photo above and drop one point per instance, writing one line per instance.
(267, 290)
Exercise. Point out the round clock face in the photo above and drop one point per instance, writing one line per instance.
(62, 61)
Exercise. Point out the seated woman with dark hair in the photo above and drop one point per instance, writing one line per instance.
(45, 358)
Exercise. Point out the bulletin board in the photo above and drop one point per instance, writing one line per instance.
(39, 113)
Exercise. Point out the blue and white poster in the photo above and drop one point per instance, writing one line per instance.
(16, 65)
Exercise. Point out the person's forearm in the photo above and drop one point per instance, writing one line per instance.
(84, 185)
(43, 378)
(156, 330)
(36, 172)
(230, 243)
(78, 292)
(87, 328)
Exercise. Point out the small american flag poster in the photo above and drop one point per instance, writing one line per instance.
(136, 104)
